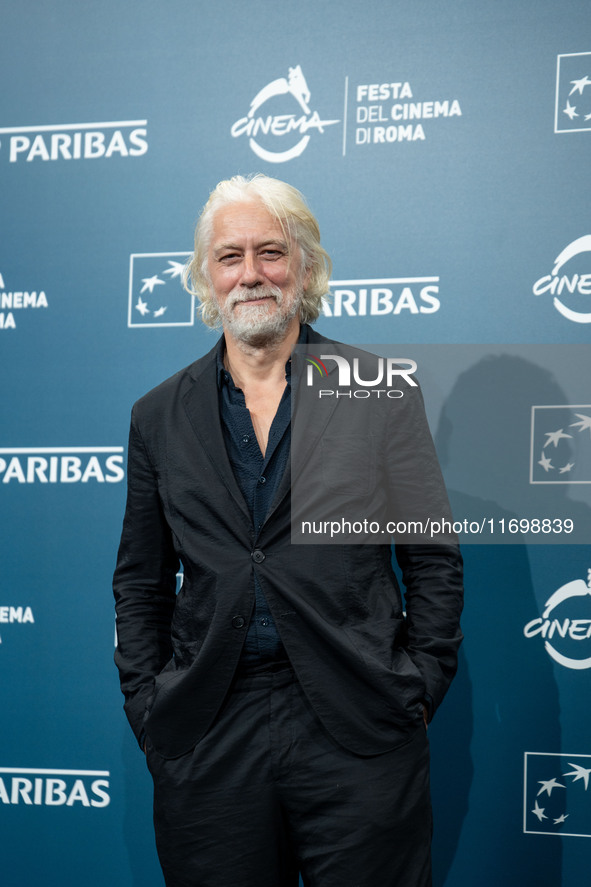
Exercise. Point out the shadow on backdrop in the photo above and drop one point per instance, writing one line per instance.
(505, 700)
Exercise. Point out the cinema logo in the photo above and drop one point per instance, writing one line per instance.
(383, 296)
(14, 301)
(390, 112)
(569, 284)
(74, 141)
(349, 374)
(269, 132)
(563, 627)
(61, 465)
(30, 787)
(20, 615)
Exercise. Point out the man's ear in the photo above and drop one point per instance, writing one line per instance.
(306, 278)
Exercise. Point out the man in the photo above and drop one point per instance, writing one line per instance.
(282, 697)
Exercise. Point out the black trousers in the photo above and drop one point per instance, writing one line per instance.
(268, 794)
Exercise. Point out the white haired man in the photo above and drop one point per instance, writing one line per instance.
(282, 697)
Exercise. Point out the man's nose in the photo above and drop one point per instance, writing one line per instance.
(251, 271)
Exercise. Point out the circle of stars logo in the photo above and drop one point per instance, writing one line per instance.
(149, 284)
(156, 294)
(561, 444)
(578, 88)
(557, 797)
(553, 439)
(572, 111)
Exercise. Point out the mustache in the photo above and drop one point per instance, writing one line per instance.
(244, 294)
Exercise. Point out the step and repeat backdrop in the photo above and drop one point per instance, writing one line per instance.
(445, 149)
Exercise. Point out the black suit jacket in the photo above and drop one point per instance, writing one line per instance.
(366, 668)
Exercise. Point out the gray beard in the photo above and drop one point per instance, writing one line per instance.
(256, 328)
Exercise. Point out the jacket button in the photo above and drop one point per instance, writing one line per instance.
(258, 556)
(238, 621)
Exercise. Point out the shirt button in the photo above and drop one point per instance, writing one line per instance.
(245, 438)
(258, 556)
(238, 621)
(264, 622)
(262, 480)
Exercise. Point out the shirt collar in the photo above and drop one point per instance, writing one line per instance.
(224, 377)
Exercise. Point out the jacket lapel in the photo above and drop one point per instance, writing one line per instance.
(201, 402)
(309, 428)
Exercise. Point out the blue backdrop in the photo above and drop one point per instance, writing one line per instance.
(444, 147)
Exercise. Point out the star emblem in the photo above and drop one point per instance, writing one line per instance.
(579, 773)
(566, 468)
(157, 297)
(555, 436)
(539, 812)
(546, 463)
(579, 85)
(150, 282)
(548, 785)
(585, 422)
(570, 110)
(142, 307)
(175, 270)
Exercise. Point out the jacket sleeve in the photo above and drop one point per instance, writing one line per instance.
(433, 580)
(144, 584)
(432, 571)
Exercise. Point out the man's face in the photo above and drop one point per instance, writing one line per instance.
(255, 273)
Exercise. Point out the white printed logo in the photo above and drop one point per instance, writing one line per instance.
(572, 111)
(20, 615)
(572, 285)
(275, 129)
(12, 301)
(61, 465)
(390, 112)
(76, 141)
(27, 786)
(388, 295)
(564, 625)
(560, 451)
(156, 293)
(556, 794)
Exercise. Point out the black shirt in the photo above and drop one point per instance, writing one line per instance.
(257, 477)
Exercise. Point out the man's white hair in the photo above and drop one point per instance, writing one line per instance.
(286, 204)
